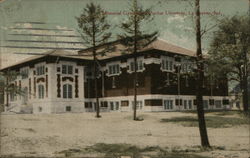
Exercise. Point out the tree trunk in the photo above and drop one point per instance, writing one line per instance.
(7, 93)
(135, 88)
(135, 63)
(95, 71)
(96, 90)
(245, 78)
(245, 92)
(200, 78)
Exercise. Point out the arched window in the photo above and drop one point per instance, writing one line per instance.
(67, 91)
(40, 91)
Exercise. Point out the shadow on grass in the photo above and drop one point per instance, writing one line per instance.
(129, 151)
(211, 121)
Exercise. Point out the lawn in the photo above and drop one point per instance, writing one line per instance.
(157, 135)
(211, 121)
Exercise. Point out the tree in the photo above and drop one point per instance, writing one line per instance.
(94, 30)
(200, 79)
(134, 37)
(230, 51)
(6, 85)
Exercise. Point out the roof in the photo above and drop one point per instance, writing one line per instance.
(56, 52)
(158, 44)
(85, 54)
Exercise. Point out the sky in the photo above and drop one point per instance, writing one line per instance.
(38, 26)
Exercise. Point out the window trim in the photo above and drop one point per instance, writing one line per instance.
(113, 69)
(66, 93)
(40, 70)
(67, 69)
(170, 105)
(167, 64)
(41, 91)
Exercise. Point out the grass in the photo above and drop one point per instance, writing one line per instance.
(118, 150)
(211, 121)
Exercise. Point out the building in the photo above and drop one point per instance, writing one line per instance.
(57, 82)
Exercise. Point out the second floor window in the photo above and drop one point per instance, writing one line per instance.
(67, 91)
(67, 69)
(167, 64)
(40, 91)
(139, 65)
(40, 70)
(25, 73)
(114, 69)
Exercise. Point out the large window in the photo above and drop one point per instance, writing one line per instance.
(167, 64)
(12, 96)
(139, 66)
(67, 91)
(185, 104)
(218, 103)
(138, 105)
(190, 104)
(168, 104)
(67, 69)
(114, 105)
(25, 73)
(40, 91)
(40, 70)
(205, 104)
(114, 69)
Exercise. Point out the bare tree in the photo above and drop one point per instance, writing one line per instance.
(200, 79)
(94, 30)
(135, 38)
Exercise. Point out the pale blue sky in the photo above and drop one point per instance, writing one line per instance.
(56, 18)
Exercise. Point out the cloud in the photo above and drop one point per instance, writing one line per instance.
(176, 18)
(180, 40)
(4, 28)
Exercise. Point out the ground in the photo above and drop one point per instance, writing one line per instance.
(60, 134)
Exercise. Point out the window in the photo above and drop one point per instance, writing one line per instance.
(124, 103)
(40, 70)
(205, 104)
(40, 109)
(104, 104)
(217, 103)
(185, 104)
(178, 101)
(68, 108)
(88, 105)
(67, 69)
(225, 102)
(67, 91)
(40, 91)
(138, 105)
(114, 69)
(186, 65)
(139, 65)
(114, 105)
(12, 96)
(168, 104)
(25, 73)
(190, 104)
(167, 64)
(211, 101)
